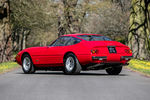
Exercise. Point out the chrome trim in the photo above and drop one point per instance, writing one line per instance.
(99, 57)
(126, 57)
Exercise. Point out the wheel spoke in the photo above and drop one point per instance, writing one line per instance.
(70, 63)
(26, 63)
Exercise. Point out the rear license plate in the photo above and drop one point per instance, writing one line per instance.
(112, 50)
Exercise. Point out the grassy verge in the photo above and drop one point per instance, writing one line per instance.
(7, 66)
(140, 66)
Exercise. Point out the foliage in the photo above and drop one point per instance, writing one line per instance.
(4, 67)
(47, 19)
(109, 19)
(121, 40)
(72, 16)
(140, 66)
(32, 22)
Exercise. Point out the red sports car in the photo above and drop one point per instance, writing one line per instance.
(75, 52)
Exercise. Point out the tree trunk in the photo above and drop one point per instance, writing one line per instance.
(72, 18)
(121, 3)
(23, 41)
(24, 38)
(139, 36)
(5, 35)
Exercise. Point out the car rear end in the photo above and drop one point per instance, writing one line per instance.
(110, 52)
(104, 50)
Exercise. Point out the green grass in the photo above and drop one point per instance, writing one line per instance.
(140, 66)
(7, 66)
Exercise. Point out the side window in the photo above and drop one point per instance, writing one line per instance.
(73, 41)
(107, 39)
(61, 41)
(97, 38)
(56, 42)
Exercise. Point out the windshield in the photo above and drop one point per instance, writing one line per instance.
(94, 38)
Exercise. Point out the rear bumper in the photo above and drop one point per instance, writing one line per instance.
(111, 59)
(126, 57)
(99, 57)
(105, 57)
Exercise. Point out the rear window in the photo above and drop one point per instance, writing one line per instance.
(94, 38)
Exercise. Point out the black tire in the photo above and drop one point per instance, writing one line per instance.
(76, 67)
(31, 69)
(114, 70)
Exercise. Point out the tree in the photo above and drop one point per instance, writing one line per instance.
(139, 31)
(30, 20)
(73, 15)
(5, 34)
(107, 18)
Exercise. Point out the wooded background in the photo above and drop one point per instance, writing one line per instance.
(27, 23)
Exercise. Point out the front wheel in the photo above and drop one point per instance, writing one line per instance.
(114, 70)
(71, 64)
(27, 65)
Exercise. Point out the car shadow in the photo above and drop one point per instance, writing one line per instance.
(81, 74)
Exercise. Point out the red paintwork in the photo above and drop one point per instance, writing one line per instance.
(53, 56)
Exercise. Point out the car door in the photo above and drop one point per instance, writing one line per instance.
(55, 51)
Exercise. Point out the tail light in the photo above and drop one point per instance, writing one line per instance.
(95, 51)
(128, 50)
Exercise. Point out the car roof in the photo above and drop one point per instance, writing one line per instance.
(77, 34)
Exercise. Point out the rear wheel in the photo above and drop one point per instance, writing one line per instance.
(27, 65)
(115, 70)
(71, 64)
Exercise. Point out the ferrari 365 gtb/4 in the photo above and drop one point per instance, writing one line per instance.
(75, 52)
